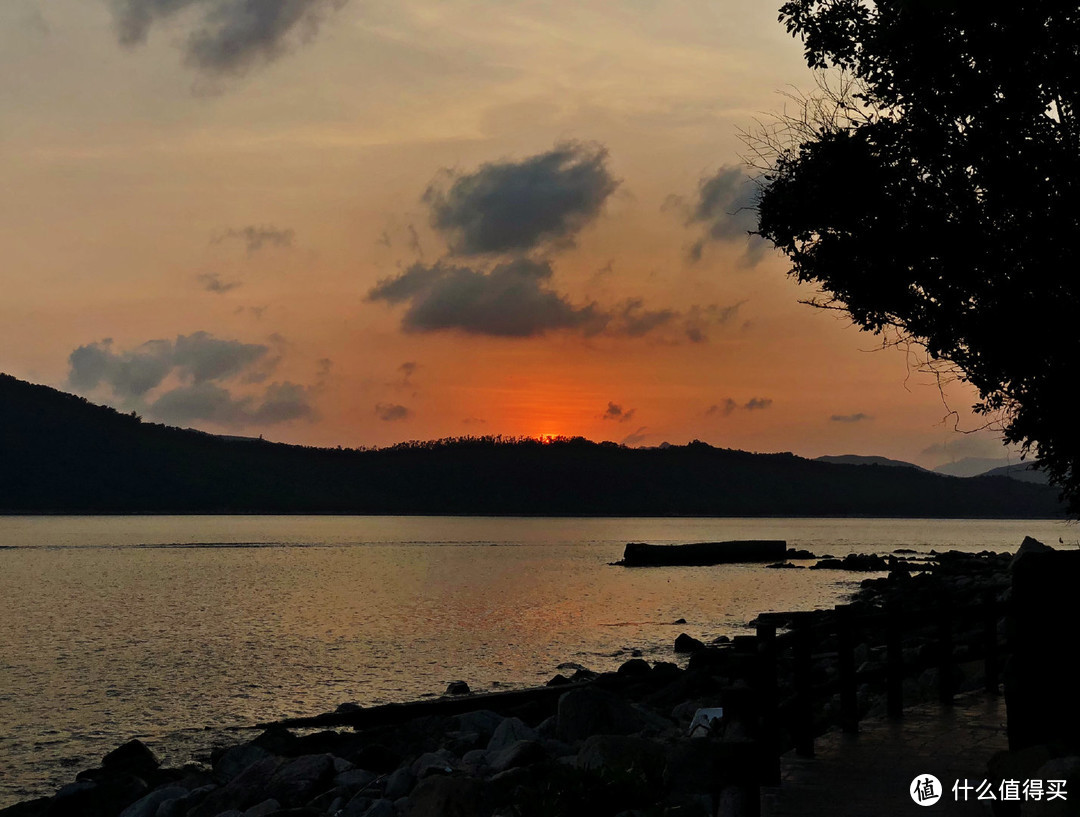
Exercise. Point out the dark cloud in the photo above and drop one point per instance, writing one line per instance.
(127, 374)
(515, 207)
(724, 409)
(616, 412)
(635, 320)
(699, 319)
(211, 282)
(727, 406)
(726, 206)
(225, 36)
(202, 365)
(210, 402)
(635, 438)
(513, 299)
(255, 238)
(391, 411)
(850, 418)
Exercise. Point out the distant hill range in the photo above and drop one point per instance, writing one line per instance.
(966, 467)
(61, 454)
(859, 459)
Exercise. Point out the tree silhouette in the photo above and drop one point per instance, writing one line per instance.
(934, 194)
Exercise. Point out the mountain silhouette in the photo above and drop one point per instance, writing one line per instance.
(60, 453)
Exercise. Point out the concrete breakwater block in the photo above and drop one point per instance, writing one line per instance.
(638, 554)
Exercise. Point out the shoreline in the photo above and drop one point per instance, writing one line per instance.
(570, 734)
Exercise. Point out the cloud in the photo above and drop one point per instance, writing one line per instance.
(616, 412)
(698, 319)
(726, 206)
(850, 418)
(211, 282)
(128, 374)
(724, 409)
(636, 437)
(225, 36)
(515, 207)
(209, 402)
(192, 370)
(728, 406)
(255, 238)
(391, 412)
(635, 320)
(513, 299)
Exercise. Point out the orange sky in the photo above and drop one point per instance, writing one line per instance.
(221, 222)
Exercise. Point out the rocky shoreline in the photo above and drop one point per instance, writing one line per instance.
(614, 743)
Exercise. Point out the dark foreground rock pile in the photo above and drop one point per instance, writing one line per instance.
(610, 744)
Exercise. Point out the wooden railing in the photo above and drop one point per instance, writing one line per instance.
(787, 686)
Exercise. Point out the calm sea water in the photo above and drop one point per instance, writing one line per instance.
(158, 627)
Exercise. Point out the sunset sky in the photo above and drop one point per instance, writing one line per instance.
(360, 222)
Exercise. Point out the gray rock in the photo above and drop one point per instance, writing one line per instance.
(297, 781)
(688, 644)
(1029, 545)
(237, 758)
(483, 722)
(457, 688)
(243, 791)
(585, 712)
(264, 808)
(429, 763)
(546, 728)
(618, 753)
(134, 757)
(442, 796)
(509, 732)
(148, 806)
(401, 782)
(476, 758)
(381, 808)
(357, 807)
(355, 779)
(520, 753)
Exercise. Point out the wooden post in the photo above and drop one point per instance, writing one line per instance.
(768, 697)
(990, 641)
(945, 652)
(894, 658)
(803, 678)
(845, 637)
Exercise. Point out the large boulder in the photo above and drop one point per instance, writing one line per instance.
(621, 754)
(509, 732)
(443, 796)
(148, 805)
(243, 791)
(586, 712)
(520, 753)
(134, 757)
(230, 762)
(299, 780)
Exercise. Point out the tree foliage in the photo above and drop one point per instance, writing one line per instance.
(936, 194)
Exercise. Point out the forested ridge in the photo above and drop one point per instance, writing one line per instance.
(60, 453)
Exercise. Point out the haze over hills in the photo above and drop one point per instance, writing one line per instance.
(61, 454)
(965, 468)
(862, 459)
